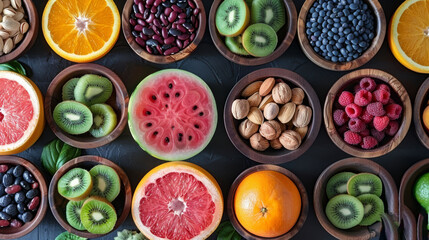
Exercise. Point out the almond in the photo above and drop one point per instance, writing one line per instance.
(255, 99)
(251, 89)
(255, 116)
(267, 99)
(287, 112)
(267, 86)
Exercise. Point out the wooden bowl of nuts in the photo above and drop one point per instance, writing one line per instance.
(272, 115)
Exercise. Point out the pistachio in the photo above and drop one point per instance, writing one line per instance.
(18, 16)
(255, 116)
(23, 28)
(240, 108)
(10, 24)
(254, 100)
(267, 99)
(297, 95)
(302, 131)
(258, 142)
(290, 139)
(10, 12)
(8, 46)
(271, 111)
(247, 128)
(276, 144)
(251, 89)
(302, 116)
(267, 86)
(270, 130)
(287, 112)
(16, 3)
(4, 34)
(282, 93)
(18, 38)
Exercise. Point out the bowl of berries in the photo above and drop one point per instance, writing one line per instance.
(367, 113)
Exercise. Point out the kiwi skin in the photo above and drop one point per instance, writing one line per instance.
(364, 183)
(235, 45)
(337, 184)
(219, 21)
(344, 201)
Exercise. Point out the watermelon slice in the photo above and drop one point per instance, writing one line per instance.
(177, 201)
(172, 114)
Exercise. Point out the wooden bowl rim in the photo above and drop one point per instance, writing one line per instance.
(409, 222)
(291, 15)
(160, 59)
(359, 165)
(417, 113)
(269, 167)
(313, 127)
(366, 56)
(97, 160)
(28, 227)
(121, 93)
(400, 90)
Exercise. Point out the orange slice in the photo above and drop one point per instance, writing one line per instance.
(81, 31)
(409, 35)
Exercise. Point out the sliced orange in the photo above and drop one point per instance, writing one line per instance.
(81, 31)
(409, 35)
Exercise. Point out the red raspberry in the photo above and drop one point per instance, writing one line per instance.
(365, 132)
(346, 98)
(366, 117)
(368, 84)
(342, 129)
(352, 138)
(392, 128)
(353, 110)
(375, 109)
(383, 87)
(377, 135)
(356, 125)
(363, 98)
(380, 123)
(381, 95)
(393, 111)
(340, 117)
(356, 88)
(368, 142)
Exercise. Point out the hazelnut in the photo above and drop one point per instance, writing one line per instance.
(302, 131)
(255, 116)
(267, 99)
(282, 93)
(271, 111)
(297, 95)
(287, 112)
(251, 89)
(302, 116)
(247, 128)
(254, 100)
(276, 144)
(240, 108)
(267, 86)
(290, 139)
(270, 130)
(258, 142)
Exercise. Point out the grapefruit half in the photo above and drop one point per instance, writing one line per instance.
(177, 201)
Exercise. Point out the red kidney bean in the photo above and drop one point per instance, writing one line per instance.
(157, 2)
(192, 37)
(156, 30)
(144, 37)
(193, 19)
(169, 40)
(4, 168)
(164, 32)
(158, 38)
(159, 49)
(150, 18)
(139, 15)
(167, 11)
(138, 28)
(174, 25)
(172, 16)
(35, 185)
(191, 4)
(34, 203)
(15, 223)
(146, 14)
(183, 37)
(176, 8)
(181, 21)
(163, 19)
(153, 9)
(150, 2)
(149, 49)
(133, 22)
(196, 11)
(12, 189)
(137, 1)
(141, 7)
(4, 223)
(179, 43)
(140, 41)
(182, 15)
(157, 23)
(181, 28)
(170, 51)
(141, 22)
(186, 43)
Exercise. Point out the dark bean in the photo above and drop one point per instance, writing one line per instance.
(147, 31)
(179, 43)
(32, 193)
(174, 32)
(166, 4)
(138, 28)
(172, 16)
(135, 33)
(165, 47)
(15, 223)
(26, 217)
(152, 43)
(182, 5)
(4, 216)
(176, 8)
(8, 179)
(172, 50)
(135, 8)
(2, 188)
(5, 200)
(158, 38)
(188, 26)
(21, 207)
(139, 15)
(146, 14)
(11, 209)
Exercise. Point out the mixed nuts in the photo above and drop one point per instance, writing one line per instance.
(13, 25)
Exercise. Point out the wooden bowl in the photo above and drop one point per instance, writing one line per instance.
(420, 104)
(267, 167)
(13, 233)
(29, 37)
(357, 165)
(160, 59)
(118, 101)
(272, 156)
(380, 32)
(285, 36)
(353, 78)
(58, 204)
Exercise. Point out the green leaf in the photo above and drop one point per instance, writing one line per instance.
(227, 232)
(56, 154)
(13, 66)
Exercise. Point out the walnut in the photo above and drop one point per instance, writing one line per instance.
(297, 95)
(276, 144)
(240, 108)
(290, 139)
(281, 93)
(270, 130)
(258, 142)
(247, 128)
(302, 116)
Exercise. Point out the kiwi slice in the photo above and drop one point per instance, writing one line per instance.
(75, 185)
(106, 182)
(271, 12)
(92, 89)
(98, 215)
(235, 45)
(373, 208)
(337, 184)
(364, 183)
(73, 117)
(73, 214)
(68, 89)
(104, 120)
(232, 17)
(260, 40)
(69, 236)
(344, 211)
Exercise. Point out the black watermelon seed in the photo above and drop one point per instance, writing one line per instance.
(148, 124)
(155, 133)
(194, 107)
(201, 114)
(170, 86)
(197, 126)
(189, 138)
(177, 94)
(167, 140)
(166, 95)
(148, 113)
(153, 97)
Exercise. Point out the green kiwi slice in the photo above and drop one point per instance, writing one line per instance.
(373, 208)
(73, 117)
(235, 45)
(337, 184)
(69, 236)
(271, 12)
(106, 182)
(364, 183)
(98, 215)
(260, 40)
(75, 185)
(92, 89)
(73, 214)
(68, 89)
(104, 120)
(232, 17)
(344, 211)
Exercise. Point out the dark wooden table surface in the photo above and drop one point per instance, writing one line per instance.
(220, 157)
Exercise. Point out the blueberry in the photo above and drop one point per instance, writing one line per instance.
(28, 177)
(21, 207)
(19, 197)
(4, 216)
(11, 209)
(334, 59)
(18, 170)
(5, 200)
(32, 193)
(26, 217)
(8, 179)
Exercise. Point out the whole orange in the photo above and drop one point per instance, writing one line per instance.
(267, 203)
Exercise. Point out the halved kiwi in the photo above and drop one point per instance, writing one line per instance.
(271, 12)
(232, 17)
(106, 182)
(260, 40)
(344, 211)
(68, 89)
(235, 45)
(373, 209)
(104, 120)
(75, 185)
(73, 214)
(364, 183)
(73, 117)
(92, 89)
(337, 184)
(98, 215)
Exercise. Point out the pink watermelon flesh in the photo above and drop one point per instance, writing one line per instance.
(16, 111)
(179, 201)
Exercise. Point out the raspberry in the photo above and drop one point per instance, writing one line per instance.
(356, 88)
(380, 123)
(342, 130)
(340, 117)
(381, 95)
(376, 109)
(368, 84)
(356, 125)
(368, 142)
(392, 128)
(383, 87)
(363, 98)
(393, 111)
(352, 138)
(346, 98)
(366, 117)
(353, 110)
(365, 132)
(377, 134)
